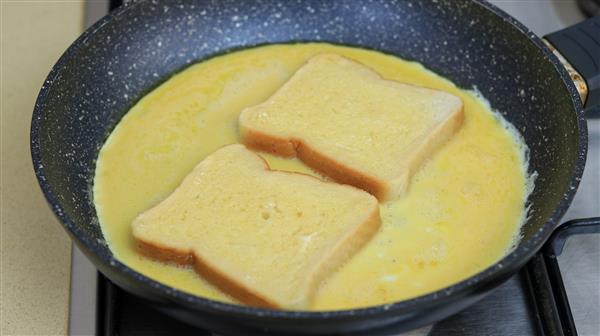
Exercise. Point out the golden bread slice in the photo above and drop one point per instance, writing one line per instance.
(343, 120)
(266, 237)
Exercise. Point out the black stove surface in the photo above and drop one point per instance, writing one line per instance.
(121, 313)
(533, 302)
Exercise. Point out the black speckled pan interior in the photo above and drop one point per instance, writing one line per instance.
(137, 47)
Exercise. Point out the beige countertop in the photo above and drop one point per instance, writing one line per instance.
(35, 250)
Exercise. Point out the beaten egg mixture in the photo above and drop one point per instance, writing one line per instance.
(461, 214)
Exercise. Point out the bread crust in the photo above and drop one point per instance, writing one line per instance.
(342, 173)
(347, 245)
(214, 276)
(337, 171)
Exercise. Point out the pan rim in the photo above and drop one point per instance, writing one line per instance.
(488, 277)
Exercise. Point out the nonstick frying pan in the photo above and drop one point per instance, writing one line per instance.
(138, 46)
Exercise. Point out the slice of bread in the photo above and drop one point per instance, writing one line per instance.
(343, 120)
(267, 238)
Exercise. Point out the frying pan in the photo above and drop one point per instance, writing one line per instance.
(138, 46)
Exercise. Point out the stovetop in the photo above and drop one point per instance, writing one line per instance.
(530, 303)
(506, 311)
(533, 302)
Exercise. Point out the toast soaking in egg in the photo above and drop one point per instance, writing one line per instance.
(267, 238)
(343, 120)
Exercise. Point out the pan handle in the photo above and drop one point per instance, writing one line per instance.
(578, 48)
